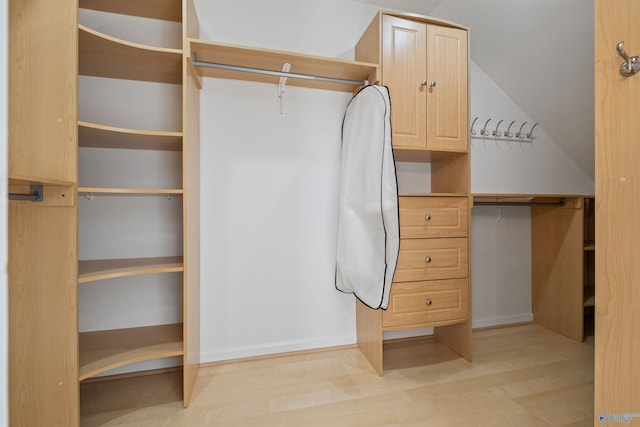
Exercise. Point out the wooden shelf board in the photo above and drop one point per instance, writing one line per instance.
(412, 154)
(433, 195)
(128, 393)
(20, 179)
(102, 136)
(130, 191)
(589, 296)
(166, 10)
(101, 55)
(102, 351)
(93, 270)
(273, 60)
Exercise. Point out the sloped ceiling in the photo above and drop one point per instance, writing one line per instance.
(540, 52)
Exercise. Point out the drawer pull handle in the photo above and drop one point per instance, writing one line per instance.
(427, 217)
(427, 259)
(428, 301)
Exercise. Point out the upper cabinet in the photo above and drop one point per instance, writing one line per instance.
(425, 65)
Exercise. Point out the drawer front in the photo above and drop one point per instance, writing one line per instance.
(432, 259)
(427, 217)
(436, 301)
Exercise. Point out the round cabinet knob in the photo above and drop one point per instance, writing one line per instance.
(427, 259)
(427, 217)
(424, 83)
(432, 84)
(428, 301)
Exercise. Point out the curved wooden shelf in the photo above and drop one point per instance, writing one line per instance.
(102, 136)
(105, 350)
(101, 55)
(130, 191)
(166, 10)
(273, 60)
(94, 270)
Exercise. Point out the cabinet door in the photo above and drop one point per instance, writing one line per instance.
(404, 67)
(447, 89)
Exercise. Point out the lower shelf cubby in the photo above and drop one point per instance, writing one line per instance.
(102, 351)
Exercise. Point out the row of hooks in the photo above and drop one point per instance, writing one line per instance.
(490, 132)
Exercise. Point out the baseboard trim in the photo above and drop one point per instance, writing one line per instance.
(277, 355)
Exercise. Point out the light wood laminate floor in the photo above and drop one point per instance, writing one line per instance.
(520, 376)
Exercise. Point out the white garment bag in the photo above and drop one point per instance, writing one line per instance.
(368, 228)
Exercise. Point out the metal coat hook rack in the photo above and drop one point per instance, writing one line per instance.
(518, 134)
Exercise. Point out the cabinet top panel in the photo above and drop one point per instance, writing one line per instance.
(167, 10)
(425, 19)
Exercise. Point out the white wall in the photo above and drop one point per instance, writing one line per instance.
(507, 167)
(4, 339)
(269, 205)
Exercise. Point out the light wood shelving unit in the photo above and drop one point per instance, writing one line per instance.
(42, 236)
(101, 55)
(424, 62)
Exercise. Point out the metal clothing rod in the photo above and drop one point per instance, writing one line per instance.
(36, 194)
(560, 202)
(205, 64)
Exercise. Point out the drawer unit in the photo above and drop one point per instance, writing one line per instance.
(433, 302)
(431, 259)
(428, 217)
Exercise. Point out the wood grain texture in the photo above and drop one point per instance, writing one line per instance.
(450, 172)
(521, 376)
(42, 237)
(368, 48)
(273, 60)
(93, 270)
(42, 91)
(432, 302)
(428, 217)
(191, 209)
(102, 351)
(369, 333)
(102, 136)
(101, 55)
(447, 107)
(432, 259)
(167, 10)
(404, 67)
(556, 269)
(617, 270)
(43, 340)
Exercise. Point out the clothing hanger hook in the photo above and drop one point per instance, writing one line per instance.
(496, 132)
(519, 133)
(530, 134)
(484, 130)
(473, 131)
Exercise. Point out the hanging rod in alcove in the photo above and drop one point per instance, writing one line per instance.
(227, 67)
